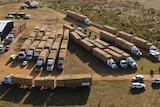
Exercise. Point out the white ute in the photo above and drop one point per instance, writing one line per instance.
(137, 85)
(138, 78)
(131, 62)
(156, 80)
(112, 64)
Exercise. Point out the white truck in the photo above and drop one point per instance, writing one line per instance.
(142, 43)
(126, 45)
(131, 62)
(52, 56)
(24, 48)
(30, 52)
(61, 58)
(18, 79)
(78, 17)
(41, 60)
(120, 59)
(105, 57)
(51, 60)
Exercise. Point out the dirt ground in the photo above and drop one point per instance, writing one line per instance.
(74, 61)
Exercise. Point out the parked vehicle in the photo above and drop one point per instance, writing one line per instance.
(41, 60)
(138, 78)
(120, 59)
(12, 57)
(105, 57)
(69, 81)
(10, 37)
(142, 43)
(7, 47)
(30, 52)
(1, 47)
(78, 17)
(137, 85)
(153, 51)
(24, 48)
(155, 80)
(131, 62)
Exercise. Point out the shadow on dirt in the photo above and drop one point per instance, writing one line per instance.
(97, 65)
(155, 86)
(45, 97)
(137, 91)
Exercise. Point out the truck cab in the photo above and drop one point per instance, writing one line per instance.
(60, 64)
(7, 79)
(10, 37)
(131, 62)
(50, 65)
(39, 65)
(123, 64)
(153, 51)
(21, 55)
(136, 51)
(87, 21)
(112, 64)
(29, 55)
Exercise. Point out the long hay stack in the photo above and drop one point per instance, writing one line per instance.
(66, 26)
(82, 35)
(105, 44)
(107, 36)
(96, 44)
(75, 37)
(116, 56)
(100, 54)
(125, 35)
(142, 43)
(110, 29)
(86, 45)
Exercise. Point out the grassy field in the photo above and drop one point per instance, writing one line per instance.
(134, 17)
(106, 93)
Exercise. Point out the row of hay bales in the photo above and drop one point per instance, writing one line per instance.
(140, 42)
(76, 80)
(98, 47)
(40, 38)
(76, 16)
(18, 29)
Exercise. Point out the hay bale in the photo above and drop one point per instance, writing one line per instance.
(107, 36)
(110, 29)
(100, 54)
(75, 37)
(86, 44)
(125, 35)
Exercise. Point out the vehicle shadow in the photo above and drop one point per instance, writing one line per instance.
(136, 91)
(15, 63)
(155, 86)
